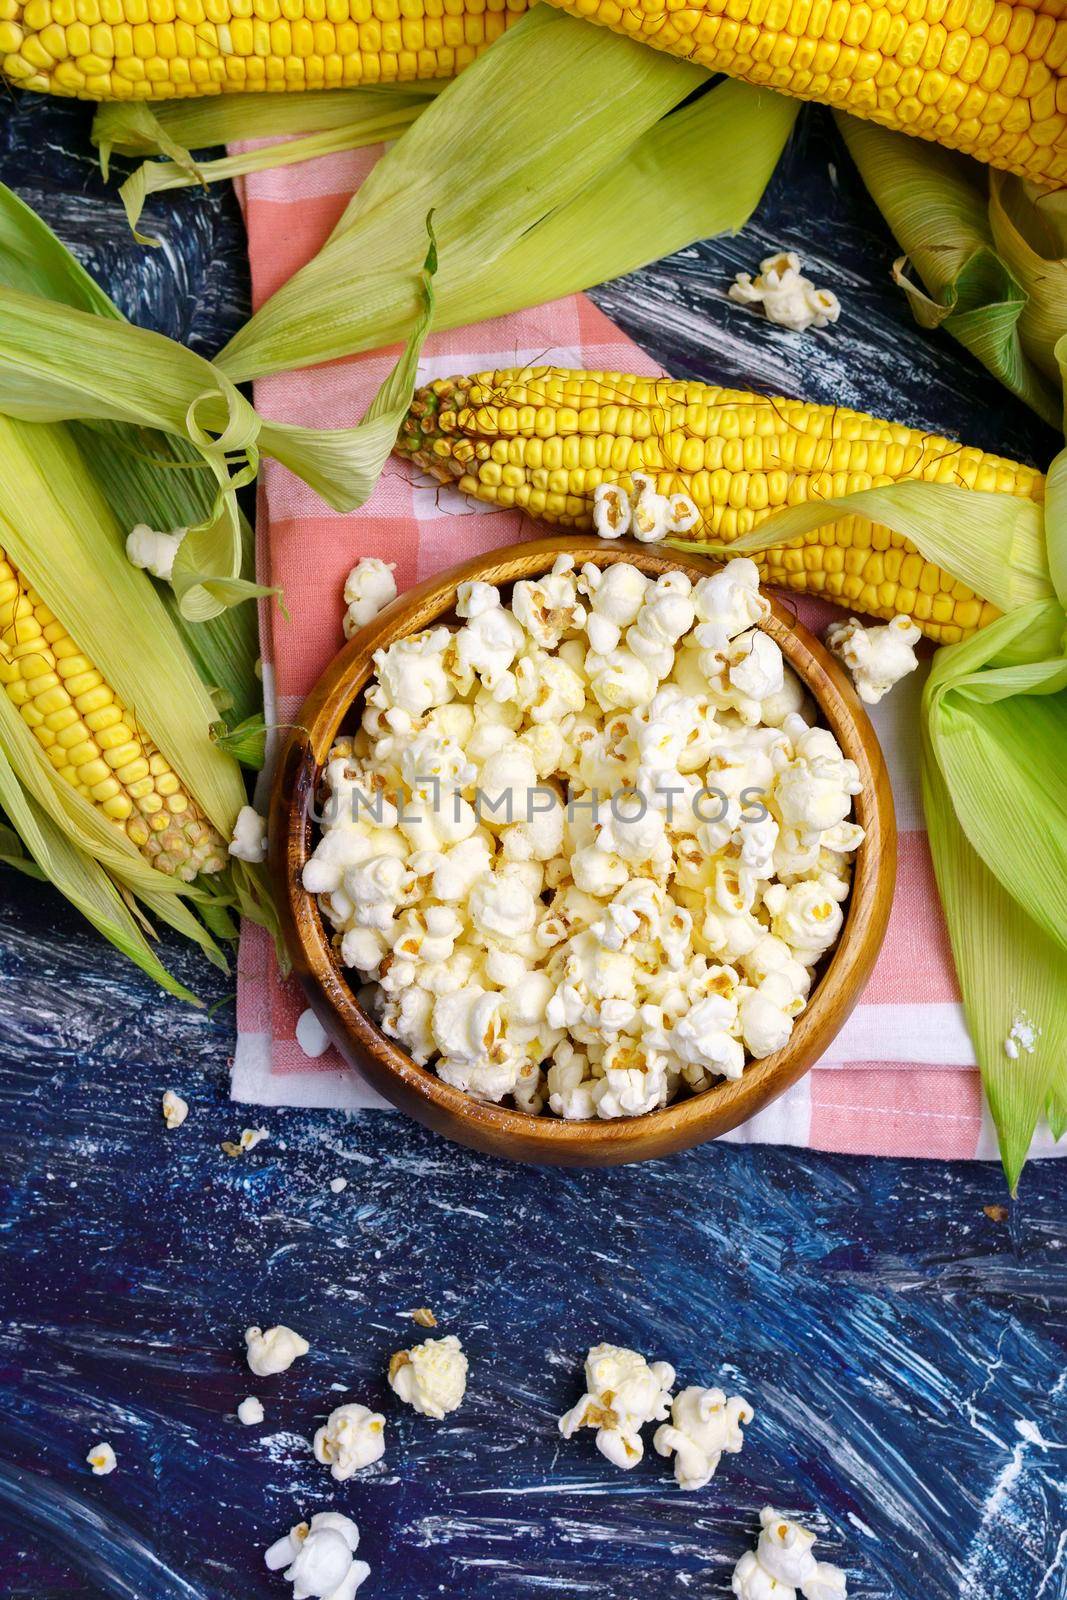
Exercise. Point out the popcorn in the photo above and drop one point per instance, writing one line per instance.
(351, 1438)
(783, 1562)
(102, 1459)
(611, 511)
(411, 673)
(548, 607)
(703, 1041)
(756, 668)
(623, 1393)
(250, 1411)
(787, 297)
(486, 647)
(319, 1558)
(765, 1025)
(154, 550)
(175, 1109)
(586, 850)
(249, 841)
(430, 1377)
(877, 658)
(704, 1425)
(806, 917)
(273, 1351)
(813, 793)
(369, 588)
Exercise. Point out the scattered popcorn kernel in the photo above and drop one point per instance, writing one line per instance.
(102, 1459)
(431, 1377)
(175, 1109)
(273, 1351)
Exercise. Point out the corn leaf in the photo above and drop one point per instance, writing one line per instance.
(175, 128)
(350, 119)
(995, 795)
(56, 363)
(1007, 967)
(994, 543)
(13, 854)
(1029, 230)
(979, 280)
(551, 105)
(679, 162)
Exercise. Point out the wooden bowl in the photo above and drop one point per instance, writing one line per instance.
(548, 1139)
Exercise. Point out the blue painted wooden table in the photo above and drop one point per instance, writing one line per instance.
(903, 1348)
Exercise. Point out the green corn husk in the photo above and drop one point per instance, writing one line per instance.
(329, 120)
(551, 163)
(989, 249)
(72, 358)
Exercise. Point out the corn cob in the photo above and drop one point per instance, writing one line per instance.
(162, 49)
(543, 439)
(982, 76)
(93, 742)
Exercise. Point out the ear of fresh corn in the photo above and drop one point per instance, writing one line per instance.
(163, 49)
(93, 741)
(543, 439)
(983, 76)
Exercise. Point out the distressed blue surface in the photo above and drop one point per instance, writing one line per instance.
(903, 1350)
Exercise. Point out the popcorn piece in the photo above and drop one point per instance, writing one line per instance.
(369, 588)
(351, 1438)
(102, 1459)
(337, 1185)
(806, 917)
(250, 1137)
(611, 511)
(152, 550)
(787, 297)
(249, 842)
(704, 1424)
(411, 673)
(548, 607)
(623, 1393)
(311, 1036)
(431, 1377)
(757, 667)
(319, 1558)
(783, 1562)
(273, 1351)
(815, 789)
(877, 658)
(175, 1109)
(250, 1411)
(424, 1317)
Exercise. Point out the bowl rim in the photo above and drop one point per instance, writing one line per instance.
(545, 1137)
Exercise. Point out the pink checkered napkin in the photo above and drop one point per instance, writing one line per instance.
(900, 1079)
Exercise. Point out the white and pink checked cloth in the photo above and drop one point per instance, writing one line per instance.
(900, 1079)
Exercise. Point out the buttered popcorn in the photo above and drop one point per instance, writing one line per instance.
(587, 848)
